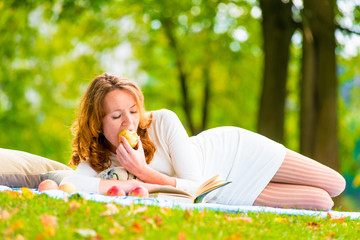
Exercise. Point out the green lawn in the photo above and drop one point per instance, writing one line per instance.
(28, 216)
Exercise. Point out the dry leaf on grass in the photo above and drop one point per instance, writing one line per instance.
(140, 210)
(238, 219)
(27, 193)
(48, 220)
(181, 236)
(137, 227)
(4, 215)
(111, 209)
(335, 218)
(86, 232)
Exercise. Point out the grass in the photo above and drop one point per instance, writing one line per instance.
(29, 216)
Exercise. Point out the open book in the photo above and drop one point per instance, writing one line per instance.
(171, 193)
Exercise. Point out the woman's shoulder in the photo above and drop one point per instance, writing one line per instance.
(163, 113)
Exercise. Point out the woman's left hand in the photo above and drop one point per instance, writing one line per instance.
(131, 159)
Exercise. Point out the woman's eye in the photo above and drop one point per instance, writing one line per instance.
(133, 112)
(116, 117)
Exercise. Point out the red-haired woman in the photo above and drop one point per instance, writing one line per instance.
(262, 171)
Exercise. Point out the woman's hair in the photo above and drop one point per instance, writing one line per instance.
(89, 142)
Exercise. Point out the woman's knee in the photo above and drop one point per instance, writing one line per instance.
(322, 200)
(338, 186)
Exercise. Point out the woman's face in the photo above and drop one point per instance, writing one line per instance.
(121, 112)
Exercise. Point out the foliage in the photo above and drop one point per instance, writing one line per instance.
(29, 216)
(50, 50)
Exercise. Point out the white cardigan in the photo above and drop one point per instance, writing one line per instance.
(248, 159)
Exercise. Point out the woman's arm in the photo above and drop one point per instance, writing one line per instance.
(175, 140)
(126, 185)
(134, 161)
(85, 180)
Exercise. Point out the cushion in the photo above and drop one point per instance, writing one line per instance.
(22, 169)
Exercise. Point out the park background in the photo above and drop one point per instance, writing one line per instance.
(286, 69)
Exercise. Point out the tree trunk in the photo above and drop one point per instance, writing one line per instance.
(168, 26)
(318, 121)
(278, 28)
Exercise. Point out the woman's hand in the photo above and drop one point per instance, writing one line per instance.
(131, 159)
(134, 161)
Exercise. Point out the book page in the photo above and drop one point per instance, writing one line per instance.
(209, 184)
(172, 190)
(173, 197)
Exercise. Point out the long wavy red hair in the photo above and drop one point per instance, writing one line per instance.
(90, 143)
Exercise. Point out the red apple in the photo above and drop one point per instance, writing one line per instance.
(139, 191)
(67, 187)
(47, 185)
(115, 191)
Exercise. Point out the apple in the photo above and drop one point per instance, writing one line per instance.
(67, 187)
(139, 191)
(115, 191)
(131, 136)
(47, 185)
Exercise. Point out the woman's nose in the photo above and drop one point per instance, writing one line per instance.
(128, 121)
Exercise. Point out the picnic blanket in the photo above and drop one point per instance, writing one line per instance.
(128, 200)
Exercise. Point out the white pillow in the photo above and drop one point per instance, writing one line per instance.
(22, 169)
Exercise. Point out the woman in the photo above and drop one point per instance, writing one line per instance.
(262, 171)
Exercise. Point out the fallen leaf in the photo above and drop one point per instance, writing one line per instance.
(50, 231)
(18, 224)
(188, 214)
(147, 219)
(27, 193)
(233, 238)
(140, 210)
(334, 218)
(280, 219)
(13, 194)
(201, 214)
(165, 210)
(4, 215)
(97, 237)
(137, 227)
(181, 236)
(111, 209)
(39, 237)
(117, 228)
(237, 219)
(74, 204)
(86, 232)
(19, 237)
(48, 220)
(313, 224)
(158, 220)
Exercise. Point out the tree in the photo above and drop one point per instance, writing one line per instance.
(278, 28)
(318, 121)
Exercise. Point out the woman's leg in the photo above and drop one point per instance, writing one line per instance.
(300, 170)
(294, 196)
(302, 182)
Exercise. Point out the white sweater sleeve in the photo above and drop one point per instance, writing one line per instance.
(182, 153)
(84, 178)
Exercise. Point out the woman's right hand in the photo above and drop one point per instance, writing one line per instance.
(132, 160)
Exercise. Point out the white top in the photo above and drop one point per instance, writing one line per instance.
(248, 159)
